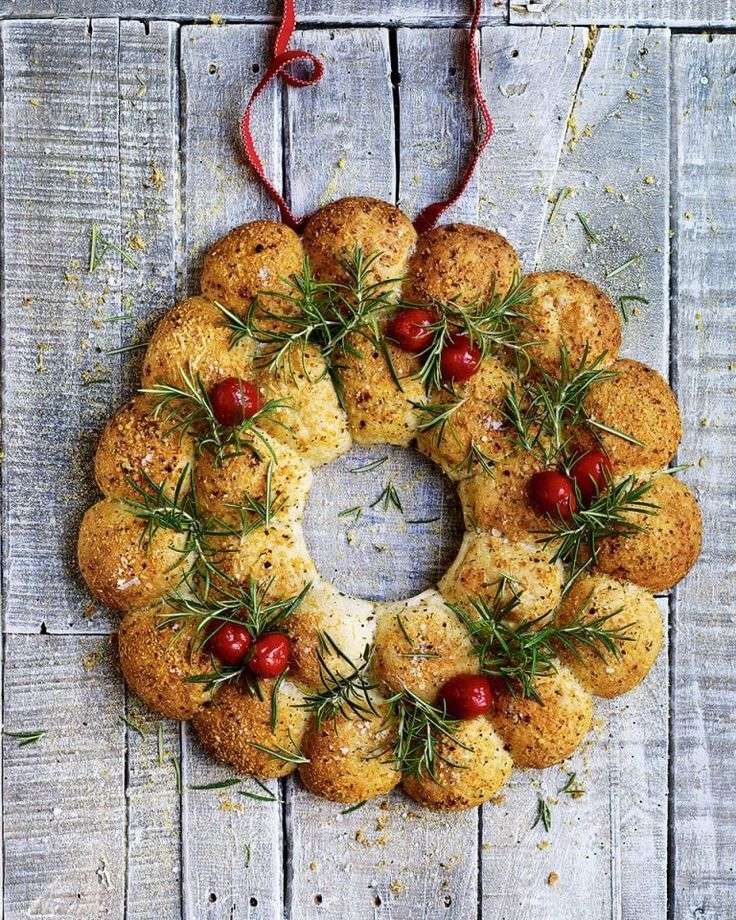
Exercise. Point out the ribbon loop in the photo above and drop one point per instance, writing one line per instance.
(283, 57)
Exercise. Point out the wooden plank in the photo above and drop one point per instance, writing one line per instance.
(699, 13)
(149, 208)
(615, 163)
(530, 112)
(365, 12)
(61, 174)
(436, 126)
(608, 848)
(231, 846)
(704, 732)
(64, 805)
(388, 857)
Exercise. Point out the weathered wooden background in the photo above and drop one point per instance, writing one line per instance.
(129, 122)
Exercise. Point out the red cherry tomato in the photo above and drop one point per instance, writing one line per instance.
(552, 493)
(459, 359)
(234, 400)
(271, 655)
(230, 643)
(411, 329)
(591, 474)
(469, 695)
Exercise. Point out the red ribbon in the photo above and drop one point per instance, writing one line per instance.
(282, 58)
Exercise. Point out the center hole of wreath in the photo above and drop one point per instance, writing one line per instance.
(362, 542)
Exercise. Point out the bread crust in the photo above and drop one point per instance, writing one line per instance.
(194, 337)
(460, 264)
(629, 608)
(566, 311)
(156, 661)
(248, 262)
(122, 569)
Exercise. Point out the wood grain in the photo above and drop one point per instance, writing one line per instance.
(149, 209)
(231, 846)
(624, 12)
(64, 803)
(61, 172)
(624, 771)
(704, 197)
(375, 12)
(531, 113)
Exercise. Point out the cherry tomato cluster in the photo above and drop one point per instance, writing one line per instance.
(469, 695)
(556, 494)
(412, 330)
(234, 400)
(268, 656)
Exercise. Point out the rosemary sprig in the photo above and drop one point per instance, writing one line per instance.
(420, 729)
(368, 467)
(99, 246)
(389, 497)
(342, 694)
(232, 603)
(436, 416)
(220, 784)
(255, 512)
(587, 229)
(547, 409)
(189, 409)
(324, 314)
(608, 515)
(544, 815)
(294, 755)
(476, 456)
(520, 653)
(489, 324)
(26, 737)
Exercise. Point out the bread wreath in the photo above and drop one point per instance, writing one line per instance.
(351, 752)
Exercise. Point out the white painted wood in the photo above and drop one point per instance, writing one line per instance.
(623, 12)
(530, 113)
(373, 12)
(64, 805)
(340, 133)
(436, 125)
(149, 208)
(704, 731)
(608, 848)
(219, 67)
(615, 160)
(61, 174)
(231, 846)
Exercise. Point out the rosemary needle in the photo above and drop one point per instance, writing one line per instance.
(622, 267)
(589, 232)
(25, 738)
(221, 784)
(544, 815)
(373, 465)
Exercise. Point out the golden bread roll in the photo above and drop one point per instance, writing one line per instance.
(349, 622)
(420, 644)
(252, 261)
(478, 422)
(566, 311)
(469, 770)
(349, 759)
(666, 547)
(539, 734)
(122, 568)
(194, 337)
(156, 660)
(311, 421)
(236, 720)
(628, 608)
(380, 229)
(379, 411)
(226, 488)
(488, 567)
(460, 264)
(138, 448)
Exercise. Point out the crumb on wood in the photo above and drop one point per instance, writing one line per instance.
(552, 879)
